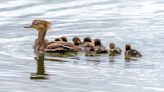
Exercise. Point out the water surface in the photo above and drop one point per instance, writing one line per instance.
(138, 22)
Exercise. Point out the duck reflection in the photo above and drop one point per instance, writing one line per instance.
(40, 74)
(111, 59)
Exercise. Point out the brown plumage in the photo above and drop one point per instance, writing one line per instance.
(43, 45)
(129, 52)
(113, 50)
(76, 41)
(98, 47)
(87, 44)
(64, 38)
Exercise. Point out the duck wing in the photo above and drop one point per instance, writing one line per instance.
(134, 53)
(100, 49)
(60, 47)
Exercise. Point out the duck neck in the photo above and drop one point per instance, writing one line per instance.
(41, 37)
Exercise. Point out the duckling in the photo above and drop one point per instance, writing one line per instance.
(88, 45)
(113, 50)
(131, 52)
(89, 50)
(99, 48)
(77, 42)
(64, 38)
(41, 45)
(58, 40)
(87, 40)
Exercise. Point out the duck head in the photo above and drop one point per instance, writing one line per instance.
(87, 39)
(76, 41)
(127, 47)
(64, 38)
(97, 42)
(41, 26)
(111, 45)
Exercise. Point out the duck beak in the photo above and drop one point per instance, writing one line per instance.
(27, 26)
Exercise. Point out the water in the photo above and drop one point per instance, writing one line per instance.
(138, 22)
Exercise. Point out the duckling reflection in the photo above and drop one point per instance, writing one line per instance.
(112, 59)
(40, 74)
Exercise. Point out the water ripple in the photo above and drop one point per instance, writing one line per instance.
(138, 22)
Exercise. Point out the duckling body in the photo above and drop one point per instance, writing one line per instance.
(114, 51)
(98, 47)
(77, 42)
(131, 52)
(100, 50)
(88, 47)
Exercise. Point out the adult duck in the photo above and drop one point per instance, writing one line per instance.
(41, 44)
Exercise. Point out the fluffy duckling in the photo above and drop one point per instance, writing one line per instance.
(76, 41)
(58, 40)
(41, 45)
(131, 52)
(87, 40)
(98, 47)
(88, 47)
(64, 39)
(87, 44)
(113, 50)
